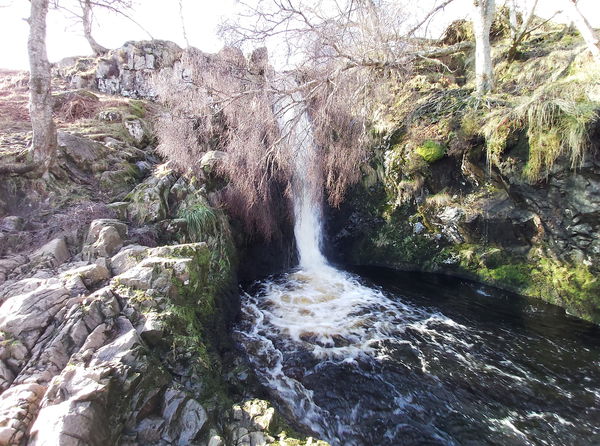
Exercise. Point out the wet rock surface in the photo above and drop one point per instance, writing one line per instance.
(536, 239)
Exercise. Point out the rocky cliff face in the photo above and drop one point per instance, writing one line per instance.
(540, 240)
(126, 71)
(489, 192)
(118, 284)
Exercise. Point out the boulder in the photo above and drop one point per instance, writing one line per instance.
(18, 407)
(210, 159)
(127, 258)
(90, 274)
(97, 225)
(137, 130)
(56, 251)
(138, 277)
(109, 242)
(119, 208)
(25, 316)
(6, 376)
(104, 239)
(12, 223)
(149, 200)
(184, 417)
(74, 409)
(117, 183)
(110, 116)
(19, 287)
(8, 265)
(82, 151)
(153, 329)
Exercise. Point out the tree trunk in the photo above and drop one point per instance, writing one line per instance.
(40, 88)
(86, 18)
(513, 19)
(483, 16)
(521, 32)
(584, 28)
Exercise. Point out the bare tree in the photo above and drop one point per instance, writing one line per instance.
(583, 26)
(513, 18)
(482, 17)
(518, 33)
(87, 18)
(44, 143)
(40, 88)
(83, 12)
(335, 61)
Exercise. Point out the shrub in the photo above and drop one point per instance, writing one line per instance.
(223, 106)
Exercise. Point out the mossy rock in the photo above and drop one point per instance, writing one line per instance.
(431, 151)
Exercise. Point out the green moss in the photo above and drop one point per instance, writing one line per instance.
(570, 285)
(197, 314)
(431, 151)
(288, 436)
(137, 108)
(573, 286)
(513, 276)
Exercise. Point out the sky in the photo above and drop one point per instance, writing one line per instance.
(162, 19)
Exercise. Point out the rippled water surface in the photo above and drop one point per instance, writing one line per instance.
(376, 357)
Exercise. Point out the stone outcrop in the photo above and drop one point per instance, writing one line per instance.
(125, 71)
(536, 239)
(76, 365)
(120, 344)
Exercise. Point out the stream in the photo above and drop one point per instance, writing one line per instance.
(390, 358)
(379, 357)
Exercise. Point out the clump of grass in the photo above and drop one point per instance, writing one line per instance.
(439, 200)
(206, 224)
(137, 108)
(458, 31)
(557, 124)
(201, 221)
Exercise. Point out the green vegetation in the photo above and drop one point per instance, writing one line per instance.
(567, 284)
(431, 151)
(557, 122)
(137, 108)
(201, 221)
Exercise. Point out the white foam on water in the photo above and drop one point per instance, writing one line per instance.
(316, 315)
(317, 308)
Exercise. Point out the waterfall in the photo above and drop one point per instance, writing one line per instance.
(306, 187)
(358, 365)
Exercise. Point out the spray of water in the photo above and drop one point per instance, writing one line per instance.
(316, 331)
(318, 309)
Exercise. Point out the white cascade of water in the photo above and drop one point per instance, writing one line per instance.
(296, 127)
(318, 309)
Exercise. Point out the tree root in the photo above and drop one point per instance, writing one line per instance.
(18, 168)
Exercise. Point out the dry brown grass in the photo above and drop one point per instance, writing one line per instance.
(75, 105)
(14, 96)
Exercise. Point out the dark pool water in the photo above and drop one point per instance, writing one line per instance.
(417, 359)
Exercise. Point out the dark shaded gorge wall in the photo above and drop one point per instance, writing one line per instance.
(486, 224)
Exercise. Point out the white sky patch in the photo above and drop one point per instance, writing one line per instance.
(161, 18)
